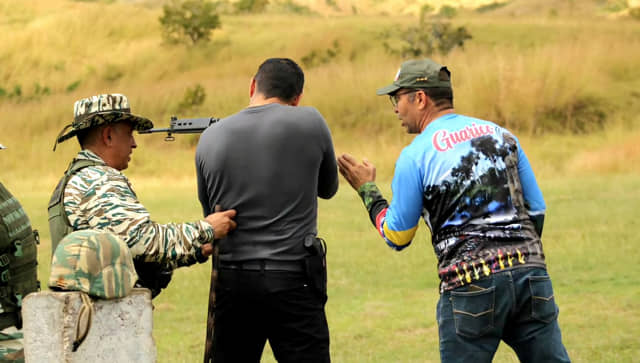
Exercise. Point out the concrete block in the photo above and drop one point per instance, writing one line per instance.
(121, 329)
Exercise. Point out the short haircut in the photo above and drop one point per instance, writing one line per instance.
(88, 137)
(281, 78)
(441, 96)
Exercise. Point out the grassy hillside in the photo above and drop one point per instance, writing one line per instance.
(539, 75)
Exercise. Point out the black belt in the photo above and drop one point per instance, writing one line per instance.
(264, 265)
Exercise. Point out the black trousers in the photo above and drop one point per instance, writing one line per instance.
(280, 306)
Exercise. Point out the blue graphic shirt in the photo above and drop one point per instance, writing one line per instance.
(472, 184)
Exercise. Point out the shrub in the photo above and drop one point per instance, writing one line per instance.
(39, 90)
(251, 6)
(73, 86)
(193, 97)
(332, 4)
(490, 7)
(426, 39)
(190, 21)
(112, 72)
(290, 6)
(316, 57)
(425, 10)
(581, 115)
(448, 11)
(615, 6)
(19, 96)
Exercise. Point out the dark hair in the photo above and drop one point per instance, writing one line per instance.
(281, 78)
(441, 96)
(90, 136)
(87, 137)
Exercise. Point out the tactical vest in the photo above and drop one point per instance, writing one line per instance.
(18, 259)
(59, 225)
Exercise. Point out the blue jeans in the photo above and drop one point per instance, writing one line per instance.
(515, 306)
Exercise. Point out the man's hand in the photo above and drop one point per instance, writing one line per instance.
(206, 249)
(356, 173)
(222, 223)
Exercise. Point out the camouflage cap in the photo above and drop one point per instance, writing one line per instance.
(421, 73)
(96, 262)
(102, 109)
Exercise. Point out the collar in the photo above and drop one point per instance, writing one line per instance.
(86, 154)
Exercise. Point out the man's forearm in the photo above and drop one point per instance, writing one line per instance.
(176, 244)
(373, 201)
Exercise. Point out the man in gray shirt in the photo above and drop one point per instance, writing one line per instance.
(270, 162)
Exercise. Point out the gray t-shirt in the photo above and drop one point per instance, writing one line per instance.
(270, 163)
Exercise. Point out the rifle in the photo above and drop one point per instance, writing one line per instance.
(183, 126)
(211, 311)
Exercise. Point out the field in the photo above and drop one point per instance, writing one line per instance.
(564, 75)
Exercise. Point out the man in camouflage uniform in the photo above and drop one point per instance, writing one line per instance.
(94, 194)
(18, 272)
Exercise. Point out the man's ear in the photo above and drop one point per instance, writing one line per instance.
(423, 99)
(252, 87)
(296, 100)
(106, 135)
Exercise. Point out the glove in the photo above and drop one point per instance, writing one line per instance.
(153, 276)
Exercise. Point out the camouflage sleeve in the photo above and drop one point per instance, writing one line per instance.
(102, 198)
(373, 201)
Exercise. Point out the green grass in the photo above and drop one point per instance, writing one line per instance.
(381, 304)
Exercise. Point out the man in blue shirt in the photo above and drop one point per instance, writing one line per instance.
(471, 182)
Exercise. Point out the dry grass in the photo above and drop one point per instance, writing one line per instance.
(538, 75)
(505, 74)
(620, 154)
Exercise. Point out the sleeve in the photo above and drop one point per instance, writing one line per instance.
(533, 199)
(328, 176)
(396, 223)
(110, 204)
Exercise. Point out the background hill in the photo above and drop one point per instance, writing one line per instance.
(538, 74)
(414, 7)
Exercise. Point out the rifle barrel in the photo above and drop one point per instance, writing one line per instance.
(184, 126)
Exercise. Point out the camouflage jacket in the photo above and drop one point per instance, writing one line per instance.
(100, 197)
(11, 341)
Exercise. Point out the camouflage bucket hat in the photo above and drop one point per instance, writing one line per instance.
(95, 262)
(102, 109)
(422, 73)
